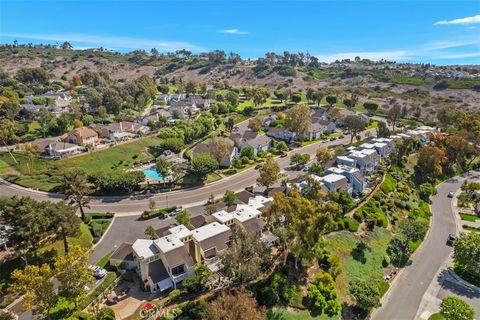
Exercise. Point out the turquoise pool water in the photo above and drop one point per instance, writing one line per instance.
(152, 173)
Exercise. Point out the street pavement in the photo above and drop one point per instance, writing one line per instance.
(404, 297)
(187, 197)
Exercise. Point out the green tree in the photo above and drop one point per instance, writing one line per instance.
(44, 117)
(245, 257)
(354, 125)
(331, 100)
(232, 98)
(230, 198)
(431, 160)
(382, 130)
(105, 314)
(151, 233)
(248, 152)
(29, 224)
(203, 164)
(35, 284)
(183, 218)
(298, 120)
(198, 281)
(453, 308)
(73, 274)
(76, 189)
(323, 155)
(466, 253)
(394, 114)
(162, 166)
(280, 95)
(32, 152)
(371, 106)
(8, 134)
(366, 294)
(64, 218)
(343, 198)
(269, 173)
(322, 295)
(152, 203)
(299, 222)
(300, 159)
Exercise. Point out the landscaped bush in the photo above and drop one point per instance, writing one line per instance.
(161, 213)
(350, 224)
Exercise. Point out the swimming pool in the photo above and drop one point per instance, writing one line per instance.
(151, 173)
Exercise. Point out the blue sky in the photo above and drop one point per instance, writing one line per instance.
(440, 32)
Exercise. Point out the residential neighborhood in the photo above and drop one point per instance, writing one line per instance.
(195, 164)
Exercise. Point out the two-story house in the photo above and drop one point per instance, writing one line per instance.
(82, 136)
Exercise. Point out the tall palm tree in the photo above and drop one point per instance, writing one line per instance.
(76, 189)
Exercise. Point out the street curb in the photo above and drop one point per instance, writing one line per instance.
(463, 282)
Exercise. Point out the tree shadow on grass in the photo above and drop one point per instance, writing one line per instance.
(358, 253)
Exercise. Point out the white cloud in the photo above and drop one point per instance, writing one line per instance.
(460, 55)
(111, 42)
(232, 31)
(396, 55)
(446, 44)
(461, 21)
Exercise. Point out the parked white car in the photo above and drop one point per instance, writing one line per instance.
(98, 272)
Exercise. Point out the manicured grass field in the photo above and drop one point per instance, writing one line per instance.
(358, 264)
(118, 157)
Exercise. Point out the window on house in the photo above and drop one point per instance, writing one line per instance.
(178, 270)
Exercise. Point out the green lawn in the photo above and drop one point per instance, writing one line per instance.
(469, 217)
(43, 175)
(118, 157)
(358, 264)
(85, 240)
(105, 260)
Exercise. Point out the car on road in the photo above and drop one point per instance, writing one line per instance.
(283, 155)
(450, 194)
(258, 166)
(333, 139)
(451, 239)
(98, 272)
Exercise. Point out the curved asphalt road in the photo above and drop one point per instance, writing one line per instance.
(186, 198)
(404, 298)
